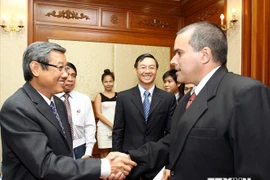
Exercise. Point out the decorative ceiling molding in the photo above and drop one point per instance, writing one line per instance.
(67, 14)
(155, 23)
(206, 14)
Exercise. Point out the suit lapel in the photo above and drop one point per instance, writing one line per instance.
(46, 111)
(155, 100)
(137, 100)
(193, 113)
(63, 116)
(189, 118)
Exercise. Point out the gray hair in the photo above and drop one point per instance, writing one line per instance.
(38, 51)
(207, 34)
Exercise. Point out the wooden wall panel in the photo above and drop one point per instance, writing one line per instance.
(210, 13)
(256, 38)
(154, 23)
(117, 18)
(43, 33)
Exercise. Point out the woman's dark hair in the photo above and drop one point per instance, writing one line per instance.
(106, 73)
(172, 73)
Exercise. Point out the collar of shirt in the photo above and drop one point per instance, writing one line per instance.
(203, 82)
(151, 90)
(177, 96)
(61, 95)
(48, 101)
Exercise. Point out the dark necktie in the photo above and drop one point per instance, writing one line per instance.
(146, 104)
(66, 101)
(52, 106)
(191, 99)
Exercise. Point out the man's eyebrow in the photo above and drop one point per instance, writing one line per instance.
(178, 50)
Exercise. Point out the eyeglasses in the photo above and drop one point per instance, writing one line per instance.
(144, 68)
(60, 68)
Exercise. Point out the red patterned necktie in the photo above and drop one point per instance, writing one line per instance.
(66, 101)
(191, 99)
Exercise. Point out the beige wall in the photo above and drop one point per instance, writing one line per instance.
(92, 58)
(11, 49)
(234, 37)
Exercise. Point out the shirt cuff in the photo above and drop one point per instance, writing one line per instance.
(105, 168)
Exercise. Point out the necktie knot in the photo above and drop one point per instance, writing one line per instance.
(52, 106)
(191, 99)
(66, 96)
(146, 94)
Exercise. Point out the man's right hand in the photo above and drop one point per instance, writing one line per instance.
(121, 165)
(166, 174)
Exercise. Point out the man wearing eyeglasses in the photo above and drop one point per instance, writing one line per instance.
(143, 113)
(80, 112)
(36, 136)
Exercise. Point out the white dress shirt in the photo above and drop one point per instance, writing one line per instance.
(142, 90)
(83, 120)
(203, 82)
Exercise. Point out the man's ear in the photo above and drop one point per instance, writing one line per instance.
(135, 70)
(207, 55)
(35, 68)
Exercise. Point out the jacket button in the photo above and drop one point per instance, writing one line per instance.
(172, 173)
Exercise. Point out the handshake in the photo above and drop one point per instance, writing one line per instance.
(121, 165)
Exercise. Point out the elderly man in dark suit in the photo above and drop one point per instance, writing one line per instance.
(36, 137)
(132, 126)
(225, 130)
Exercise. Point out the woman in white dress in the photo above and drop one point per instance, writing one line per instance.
(105, 109)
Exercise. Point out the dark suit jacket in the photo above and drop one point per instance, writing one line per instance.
(224, 133)
(130, 130)
(34, 146)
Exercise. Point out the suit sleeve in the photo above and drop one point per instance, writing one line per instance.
(119, 126)
(150, 157)
(23, 135)
(170, 115)
(250, 133)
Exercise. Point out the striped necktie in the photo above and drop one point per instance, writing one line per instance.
(66, 101)
(146, 104)
(52, 106)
